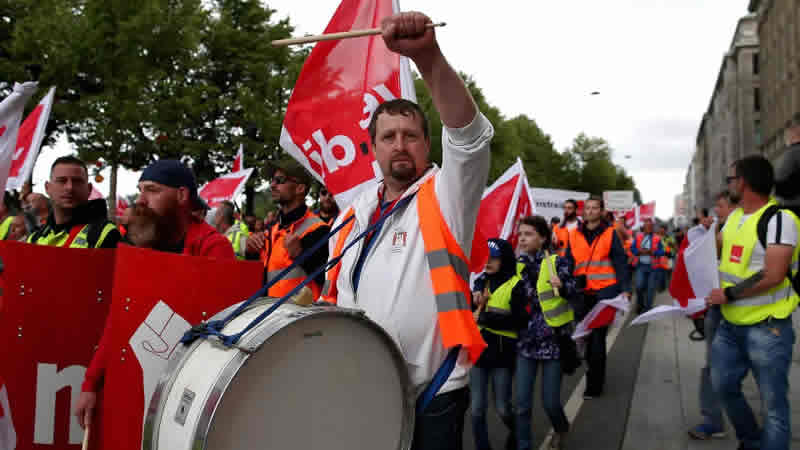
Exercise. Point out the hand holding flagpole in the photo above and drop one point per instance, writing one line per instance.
(335, 36)
(552, 268)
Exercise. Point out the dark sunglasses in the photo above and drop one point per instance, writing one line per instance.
(324, 193)
(279, 179)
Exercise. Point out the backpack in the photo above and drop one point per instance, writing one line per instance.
(762, 225)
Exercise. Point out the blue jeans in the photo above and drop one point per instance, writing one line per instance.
(479, 393)
(710, 405)
(766, 349)
(646, 280)
(551, 397)
(441, 425)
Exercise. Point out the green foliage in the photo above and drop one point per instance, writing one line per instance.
(585, 166)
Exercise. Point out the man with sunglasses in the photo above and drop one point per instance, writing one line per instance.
(328, 209)
(296, 231)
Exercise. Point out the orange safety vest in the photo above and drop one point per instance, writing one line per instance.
(278, 258)
(562, 236)
(449, 269)
(593, 261)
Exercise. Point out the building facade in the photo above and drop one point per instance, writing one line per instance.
(731, 127)
(779, 36)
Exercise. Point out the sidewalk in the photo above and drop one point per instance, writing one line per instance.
(665, 399)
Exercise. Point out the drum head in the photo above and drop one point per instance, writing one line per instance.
(327, 381)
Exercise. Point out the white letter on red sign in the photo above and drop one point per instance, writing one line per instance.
(48, 382)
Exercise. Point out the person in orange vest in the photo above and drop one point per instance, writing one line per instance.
(410, 275)
(571, 221)
(648, 249)
(328, 209)
(601, 271)
(296, 230)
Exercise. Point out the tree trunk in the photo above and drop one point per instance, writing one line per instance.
(112, 192)
(249, 192)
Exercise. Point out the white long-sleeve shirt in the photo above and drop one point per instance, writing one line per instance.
(395, 288)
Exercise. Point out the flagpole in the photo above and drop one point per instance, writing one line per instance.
(334, 36)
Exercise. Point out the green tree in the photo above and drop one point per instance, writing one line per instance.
(592, 160)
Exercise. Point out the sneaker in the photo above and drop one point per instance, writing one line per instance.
(557, 441)
(705, 431)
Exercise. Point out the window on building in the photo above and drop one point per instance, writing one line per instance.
(757, 99)
(756, 67)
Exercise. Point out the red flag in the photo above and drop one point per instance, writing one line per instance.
(340, 86)
(695, 273)
(504, 203)
(226, 187)
(122, 205)
(603, 314)
(29, 140)
(238, 161)
(10, 116)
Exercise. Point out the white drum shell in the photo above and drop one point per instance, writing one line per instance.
(334, 380)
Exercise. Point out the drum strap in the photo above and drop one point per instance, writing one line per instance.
(214, 328)
(439, 379)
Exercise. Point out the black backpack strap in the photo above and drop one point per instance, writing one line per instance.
(763, 224)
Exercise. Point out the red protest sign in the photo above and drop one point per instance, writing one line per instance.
(157, 297)
(50, 322)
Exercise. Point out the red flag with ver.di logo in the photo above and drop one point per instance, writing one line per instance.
(340, 86)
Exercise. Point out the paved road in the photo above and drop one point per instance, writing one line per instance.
(651, 397)
(598, 423)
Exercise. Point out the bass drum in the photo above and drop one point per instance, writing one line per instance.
(304, 378)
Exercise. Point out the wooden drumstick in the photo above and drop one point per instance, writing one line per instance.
(85, 445)
(553, 272)
(334, 36)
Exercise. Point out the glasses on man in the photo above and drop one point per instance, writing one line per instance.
(324, 193)
(280, 179)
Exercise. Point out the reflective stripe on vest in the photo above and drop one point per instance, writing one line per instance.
(593, 261)
(500, 302)
(556, 310)
(5, 226)
(329, 290)
(448, 269)
(280, 260)
(235, 237)
(779, 301)
(81, 240)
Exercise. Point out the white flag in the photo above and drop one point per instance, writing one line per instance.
(29, 141)
(10, 116)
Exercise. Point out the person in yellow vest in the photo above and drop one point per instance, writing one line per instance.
(75, 221)
(411, 274)
(758, 261)
(296, 230)
(544, 331)
(226, 224)
(18, 231)
(492, 300)
(5, 220)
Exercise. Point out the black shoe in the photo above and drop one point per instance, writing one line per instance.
(588, 395)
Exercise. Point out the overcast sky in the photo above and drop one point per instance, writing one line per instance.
(654, 63)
